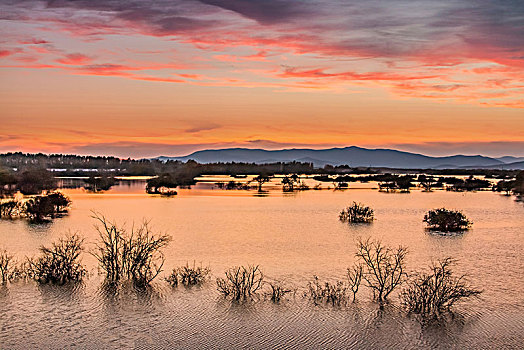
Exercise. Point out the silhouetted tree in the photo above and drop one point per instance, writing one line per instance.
(289, 182)
(99, 183)
(35, 181)
(46, 207)
(519, 184)
(383, 267)
(7, 182)
(262, 179)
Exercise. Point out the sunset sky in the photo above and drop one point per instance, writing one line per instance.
(147, 78)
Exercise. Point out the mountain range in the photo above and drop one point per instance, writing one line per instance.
(353, 156)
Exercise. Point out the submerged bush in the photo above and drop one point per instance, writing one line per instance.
(329, 293)
(431, 294)
(241, 283)
(357, 213)
(99, 183)
(187, 275)
(135, 255)
(58, 264)
(383, 267)
(46, 207)
(10, 209)
(278, 291)
(446, 220)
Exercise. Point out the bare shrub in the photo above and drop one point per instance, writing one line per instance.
(431, 294)
(446, 220)
(354, 275)
(6, 267)
(329, 293)
(383, 268)
(58, 264)
(134, 255)
(187, 275)
(241, 283)
(357, 213)
(278, 291)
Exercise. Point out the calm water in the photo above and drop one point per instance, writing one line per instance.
(292, 237)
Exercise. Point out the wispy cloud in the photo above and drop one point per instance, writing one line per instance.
(451, 50)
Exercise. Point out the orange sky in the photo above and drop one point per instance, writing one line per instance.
(134, 78)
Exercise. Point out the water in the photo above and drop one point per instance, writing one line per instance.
(292, 237)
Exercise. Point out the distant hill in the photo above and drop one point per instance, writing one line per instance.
(510, 159)
(506, 166)
(353, 156)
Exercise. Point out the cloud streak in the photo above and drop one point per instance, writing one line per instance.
(450, 50)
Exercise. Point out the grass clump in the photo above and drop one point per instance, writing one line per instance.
(329, 293)
(188, 276)
(357, 213)
(431, 294)
(135, 255)
(445, 220)
(59, 263)
(241, 283)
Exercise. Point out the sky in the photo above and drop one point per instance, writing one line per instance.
(146, 78)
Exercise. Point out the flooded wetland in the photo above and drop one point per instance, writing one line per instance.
(292, 237)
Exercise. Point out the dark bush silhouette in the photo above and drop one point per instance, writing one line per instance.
(36, 181)
(135, 256)
(357, 213)
(261, 179)
(241, 283)
(504, 186)
(58, 264)
(187, 275)
(46, 207)
(289, 182)
(164, 184)
(431, 294)
(446, 220)
(8, 183)
(11, 209)
(470, 184)
(99, 183)
(518, 187)
(383, 267)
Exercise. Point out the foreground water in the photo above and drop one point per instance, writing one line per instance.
(292, 237)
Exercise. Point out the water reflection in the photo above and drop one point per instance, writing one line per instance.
(295, 235)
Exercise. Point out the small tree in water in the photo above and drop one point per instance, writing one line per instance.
(383, 267)
(431, 294)
(134, 256)
(46, 207)
(357, 213)
(446, 220)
